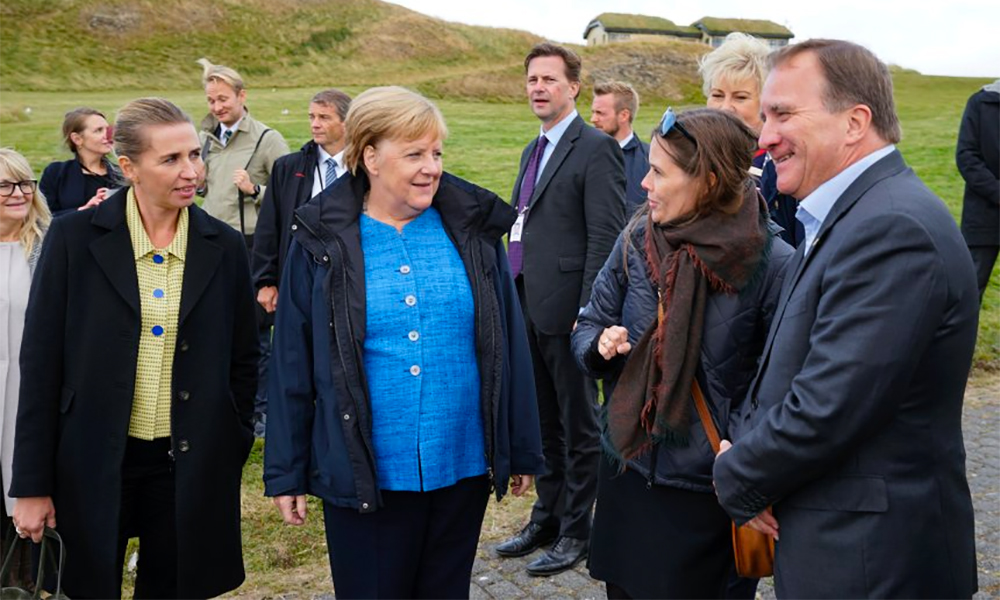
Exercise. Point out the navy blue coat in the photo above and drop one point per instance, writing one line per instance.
(781, 206)
(64, 187)
(289, 187)
(319, 415)
(734, 332)
(636, 166)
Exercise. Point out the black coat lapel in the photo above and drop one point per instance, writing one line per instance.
(201, 261)
(113, 251)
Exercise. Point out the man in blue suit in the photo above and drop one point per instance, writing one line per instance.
(614, 108)
(853, 456)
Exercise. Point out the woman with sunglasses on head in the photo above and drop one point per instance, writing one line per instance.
(686, 297)
(24, 218)
(89, 177)
(139, 365)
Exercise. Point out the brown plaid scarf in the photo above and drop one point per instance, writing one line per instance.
(687, 261)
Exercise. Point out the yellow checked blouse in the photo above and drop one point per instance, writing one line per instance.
(161, 277)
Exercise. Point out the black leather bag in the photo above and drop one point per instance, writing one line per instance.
(49, 556)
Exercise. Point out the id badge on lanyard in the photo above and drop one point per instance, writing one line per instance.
(517, 227)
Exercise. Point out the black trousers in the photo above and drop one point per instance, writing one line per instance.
(265, 321)
(148, 512)
(417, 545)
(983, 257)
(568, 414)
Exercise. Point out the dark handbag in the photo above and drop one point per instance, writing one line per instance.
(48, 555)
(752, 550)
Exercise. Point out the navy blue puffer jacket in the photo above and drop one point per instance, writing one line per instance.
(735, 330)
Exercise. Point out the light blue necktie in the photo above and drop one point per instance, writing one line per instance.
(331, 172)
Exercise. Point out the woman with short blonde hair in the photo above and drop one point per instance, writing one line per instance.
(419, 398)
(388, 113)
(733, 76)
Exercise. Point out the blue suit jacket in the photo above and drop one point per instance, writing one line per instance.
(636, 166)
(856, 435)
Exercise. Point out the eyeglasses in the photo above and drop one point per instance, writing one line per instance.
(27, 187)
(669, 121)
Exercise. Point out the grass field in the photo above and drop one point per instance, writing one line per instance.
(484, 146)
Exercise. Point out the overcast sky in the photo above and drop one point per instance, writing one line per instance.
(944, 37)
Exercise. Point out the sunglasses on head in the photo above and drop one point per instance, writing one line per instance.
(669, 121)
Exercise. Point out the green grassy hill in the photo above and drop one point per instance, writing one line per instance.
(60, 54)
(80, 45)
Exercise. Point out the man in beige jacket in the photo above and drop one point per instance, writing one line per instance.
(239, 152)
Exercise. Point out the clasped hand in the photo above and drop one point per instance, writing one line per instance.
(764, 522)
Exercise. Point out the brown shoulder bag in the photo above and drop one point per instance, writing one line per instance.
(753, 550)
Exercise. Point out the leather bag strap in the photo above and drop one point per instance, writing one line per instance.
(706, 417)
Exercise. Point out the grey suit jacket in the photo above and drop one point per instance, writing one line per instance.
(574, 217)
(856, 435)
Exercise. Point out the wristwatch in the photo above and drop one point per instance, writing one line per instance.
(256, 191)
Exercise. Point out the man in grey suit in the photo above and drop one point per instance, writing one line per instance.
(854, 457)
(570, 198)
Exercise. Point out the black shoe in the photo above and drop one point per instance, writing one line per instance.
(563, 556)
(532, 537)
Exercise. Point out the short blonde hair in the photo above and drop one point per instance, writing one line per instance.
(13, 164)
(739, 58)
(220, 74)
(390, 112)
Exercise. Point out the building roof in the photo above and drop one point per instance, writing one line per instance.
(757, 27)
(627, 23)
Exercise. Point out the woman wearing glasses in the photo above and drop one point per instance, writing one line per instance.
(89, 177)
(686, 297)
(139, 366)
(24, 217)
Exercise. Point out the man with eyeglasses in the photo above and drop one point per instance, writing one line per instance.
(570, 200)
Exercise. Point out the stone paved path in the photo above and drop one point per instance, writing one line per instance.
(506, 579)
